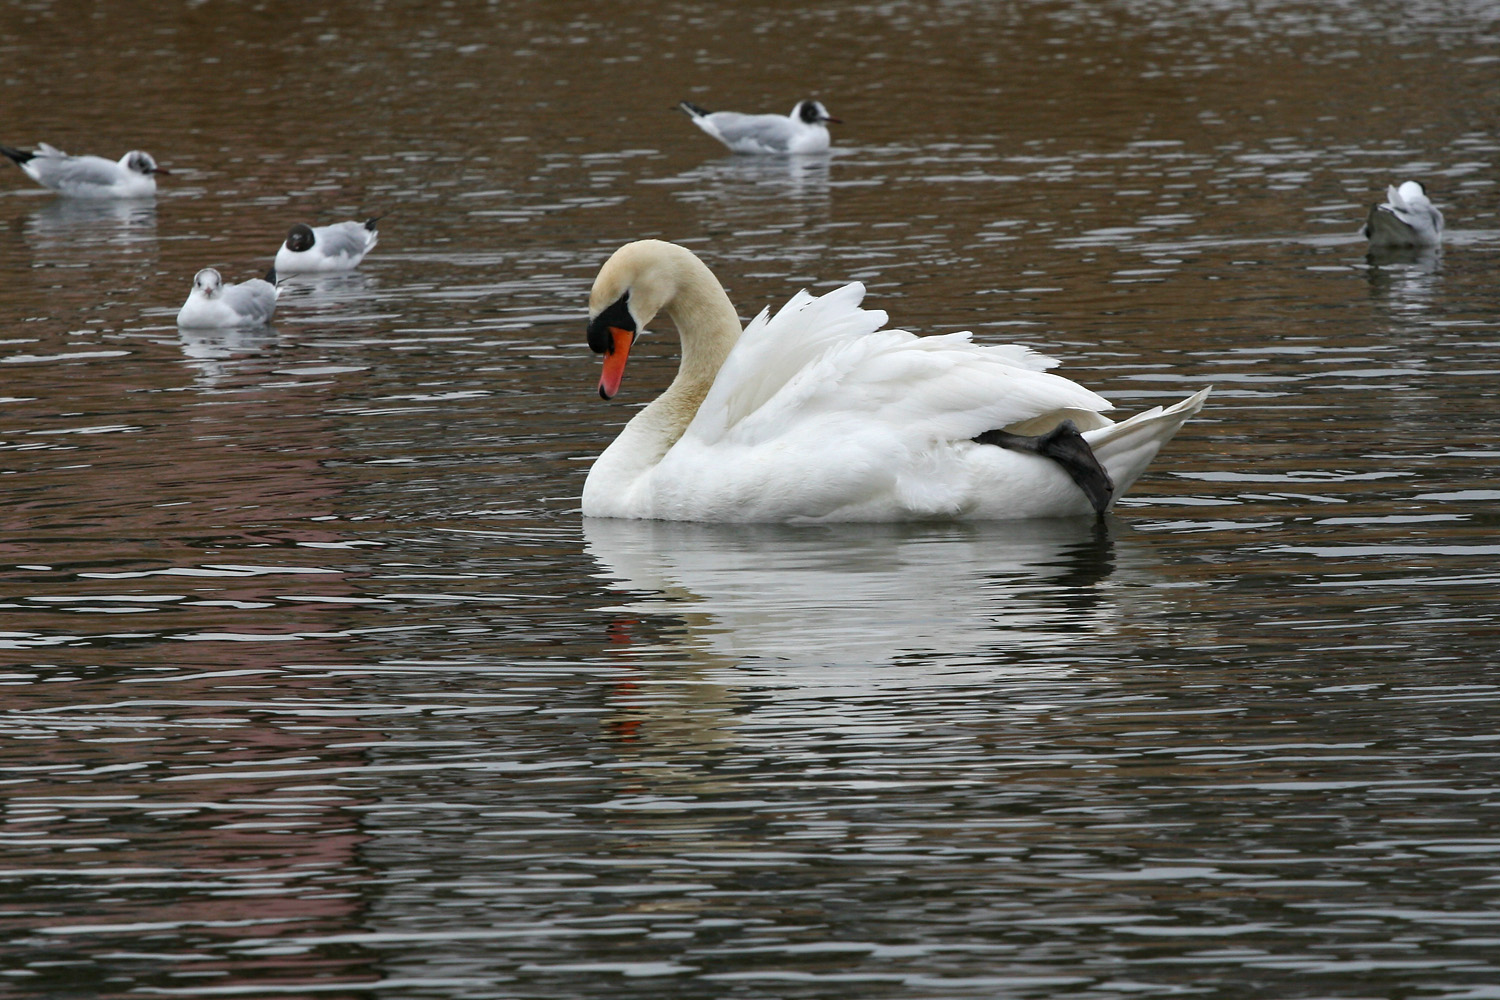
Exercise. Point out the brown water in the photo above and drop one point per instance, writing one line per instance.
(317, 684)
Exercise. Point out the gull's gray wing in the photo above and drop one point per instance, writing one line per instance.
(753, 133)
(348, 239)
(56, 169)
(253, 301)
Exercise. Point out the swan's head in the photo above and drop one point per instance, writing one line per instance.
(813, 113)
(207, 282)
(300, 238)
(632, 287)
(141, 163)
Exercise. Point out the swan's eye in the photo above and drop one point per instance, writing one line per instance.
(616, 317)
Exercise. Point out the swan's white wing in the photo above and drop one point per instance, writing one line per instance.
(916, 391)
(773, 350)
(826, 352)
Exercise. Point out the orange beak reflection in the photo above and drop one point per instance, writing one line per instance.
(614, 362)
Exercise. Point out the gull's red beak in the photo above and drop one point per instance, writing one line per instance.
(614, 361)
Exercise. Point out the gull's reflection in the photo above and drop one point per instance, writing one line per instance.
(93, 221)
(213, 350)
(860, 595)
(80, 222)
(341, 292)
(744, 184)
(1405, 276)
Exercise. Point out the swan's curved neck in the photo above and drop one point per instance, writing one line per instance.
(708, 327)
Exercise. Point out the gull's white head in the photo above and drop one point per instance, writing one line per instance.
(141, 163)
(813, 113)
(207, 283)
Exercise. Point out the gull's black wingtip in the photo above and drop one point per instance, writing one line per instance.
(19, 156)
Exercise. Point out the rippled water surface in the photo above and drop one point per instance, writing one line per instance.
(317, 684)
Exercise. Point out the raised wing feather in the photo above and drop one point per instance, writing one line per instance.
(819, 357)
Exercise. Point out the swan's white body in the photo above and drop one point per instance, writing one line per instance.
(1407, 219)
(132, 176)
(339, 247)
(818, 414)
(805, 130)
(212, 303)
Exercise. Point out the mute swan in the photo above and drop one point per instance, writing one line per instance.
(805, 130)
(339, 247)
(1407, 219)
(133, 176)
(212, 303)
(817, 414)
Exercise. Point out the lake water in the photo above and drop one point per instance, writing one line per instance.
(317, 684)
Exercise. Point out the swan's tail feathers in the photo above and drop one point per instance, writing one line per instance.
(18, 156)
(1065, 446)
(693, 110)
(1383, 229)
(1126, 448)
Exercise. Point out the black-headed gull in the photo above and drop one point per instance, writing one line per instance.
(1407, 219)
(132, 176)
(339, 247)
(805, 130)
(213, 303)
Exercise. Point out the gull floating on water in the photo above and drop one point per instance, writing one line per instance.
(1407, 219)
(821, 414)
(339, 247)
(805, 130)
(133, 176)
(212, 303)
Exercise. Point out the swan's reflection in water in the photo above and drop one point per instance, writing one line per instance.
(774, 639)
(861, 596)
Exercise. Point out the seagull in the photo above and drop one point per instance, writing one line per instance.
(134, 176)
(1407, 219)
(339, 247)
(805, 130)
(212, 303)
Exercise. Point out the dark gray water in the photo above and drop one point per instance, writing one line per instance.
(318, 686)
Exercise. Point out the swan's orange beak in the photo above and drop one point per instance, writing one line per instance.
(614, 361)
